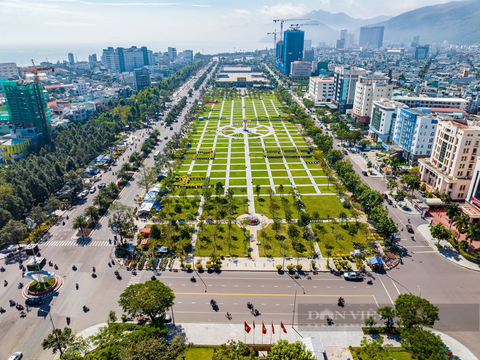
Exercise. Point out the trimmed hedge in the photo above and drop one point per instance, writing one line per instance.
(374, 330)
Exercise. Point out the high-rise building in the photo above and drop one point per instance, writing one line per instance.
(340, 44)
(172, 53)
(188, 55)
(421, 52)
(343, 35)
(451, 165)
(345, 81)
(409, 124)
(292, 49)
(8, 70)
(309, 55)
(383, 116)
(367, 90)
(371, 36)
(350, 40)
(301, 68)
(416, 39)
(71, 59)
(92, 58)
(320, 90)
(27, 106)
(121, 60)
(307, 44)
(141, 79)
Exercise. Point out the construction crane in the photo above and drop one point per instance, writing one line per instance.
(281, 21)
(274, 41)
(297, 26)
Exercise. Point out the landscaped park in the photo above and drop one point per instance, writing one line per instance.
(246, 156)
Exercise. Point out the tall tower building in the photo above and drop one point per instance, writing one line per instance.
(27, 106)
(292, 48)
(371, 36)
(343, 35)
(71, 59)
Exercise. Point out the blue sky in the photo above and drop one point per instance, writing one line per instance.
(150, 22)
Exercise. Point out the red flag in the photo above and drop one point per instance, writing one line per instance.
(264, 329)
(273, 329)
(283, 327)
(247, 328)
(254, 324)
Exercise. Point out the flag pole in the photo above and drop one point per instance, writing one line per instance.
(271, 334)
(244, 333)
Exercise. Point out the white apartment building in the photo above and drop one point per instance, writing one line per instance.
(423, 101)
(367, 90)
(188, 55)
(301, 68)
(320, 91)
(80, 87)
(8, 70)
(452, 164)
(122, 60)
(384, 113)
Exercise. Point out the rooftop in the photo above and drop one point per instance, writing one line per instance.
(420, 98)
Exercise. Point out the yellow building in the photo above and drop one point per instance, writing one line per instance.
(12, 150)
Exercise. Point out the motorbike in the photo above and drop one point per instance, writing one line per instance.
(93, 268)
(55, 267)
(341, 302)
(20, 285)
(249, 305)
(50, 263)
(63, 223)
(74, 267)
(68, 320)
(109, 264)
(5, 282)
(19, 307)
(329, 321)
(85, 308)
(153, 277)
(94, 275)
(116, 272)
(2, 269)
(113, 262)
(12, 302)
(370, 282)
(119, 277)
(192, 279)
(256, 312)
(67, 217)
(2, 310)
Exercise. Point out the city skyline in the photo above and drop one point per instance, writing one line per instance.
(76, 23)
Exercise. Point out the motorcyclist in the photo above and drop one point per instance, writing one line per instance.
(67, 217)
(76, 286)
(93, 268)
(5, 282)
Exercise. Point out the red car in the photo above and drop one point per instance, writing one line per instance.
(385, 195)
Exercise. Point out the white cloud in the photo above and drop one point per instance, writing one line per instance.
(132, 4)
(68, 23)
(241, 14)
(284, 10)
(204, 6)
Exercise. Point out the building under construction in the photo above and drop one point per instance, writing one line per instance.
(27, 106)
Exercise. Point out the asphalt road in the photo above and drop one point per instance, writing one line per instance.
(423, 273)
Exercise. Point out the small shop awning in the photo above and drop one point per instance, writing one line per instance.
(145, 230)
(375, 261)
(145, 207)
(144, 241)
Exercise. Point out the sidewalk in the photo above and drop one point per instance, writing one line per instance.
(447, 250)
(336, 340)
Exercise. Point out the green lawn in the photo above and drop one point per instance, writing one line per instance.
(188, 206)
(198, 353)
(324, 205)
(218, 239)
(273, 243)
(398, 354)
(337, 238)
(220, 207)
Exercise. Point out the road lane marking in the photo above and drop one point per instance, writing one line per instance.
(270, 295)
(386, 290)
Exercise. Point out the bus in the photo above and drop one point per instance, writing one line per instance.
(156, 155)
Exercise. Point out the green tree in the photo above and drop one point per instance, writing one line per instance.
(151, 349)
(79, 223)
(92, 212)
(14, 232)
(59, 340)
(147, 177)
(391, 184)
(370, 321)
(120, 216)
(422, 344)
(257, 190)
(283, 350)
(373, 349)
(234, 351)
(413, 311)
(387, 313)
(461, 223)
(440, 232)
(453, 210)
(473, 233)
(101, 201)
(152, 298)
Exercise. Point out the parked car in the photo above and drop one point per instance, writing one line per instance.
(409, 228)
(385, 196)
(84, 193)
(171, 127)
(389, 202)
(378, 158)
(33, 301)
(92, 189)
(166, 137)
(364, 173)
(352, 276)
(102, 185)
(16, 356)
(422, 193)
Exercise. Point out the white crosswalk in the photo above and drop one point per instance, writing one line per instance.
(135, 279)
(76, 243)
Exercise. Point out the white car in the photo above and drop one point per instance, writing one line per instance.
(84, 193)
(92, 189)
(352, 276)
(16, 356)
(378, 158)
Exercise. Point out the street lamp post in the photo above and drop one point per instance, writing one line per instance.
(294, 304)
(173, 315)
(284, 245)
(420, 290)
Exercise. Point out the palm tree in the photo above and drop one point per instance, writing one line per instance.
(461, 223)
(453, 210)
(80, 223)
(473, 233)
